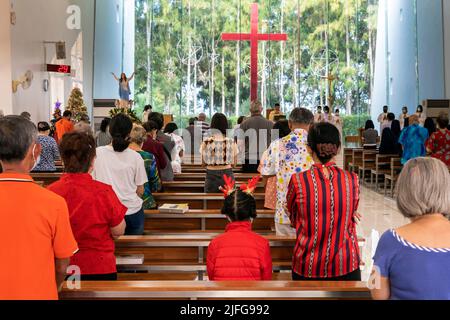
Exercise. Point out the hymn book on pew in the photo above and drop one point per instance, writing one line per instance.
(130, 259)
(174, 208)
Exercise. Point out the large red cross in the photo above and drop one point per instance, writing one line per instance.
(254, 37)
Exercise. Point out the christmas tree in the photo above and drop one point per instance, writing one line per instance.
(76, 104)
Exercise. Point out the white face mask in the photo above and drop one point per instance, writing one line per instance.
(36, 161)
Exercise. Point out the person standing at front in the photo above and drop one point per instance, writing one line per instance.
(322, 204)
(256, 132)
(122, 168)
(35, 234)
(285, 157)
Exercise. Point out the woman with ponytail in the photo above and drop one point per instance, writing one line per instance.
(123, 169)
(96, 214)
(322, 204)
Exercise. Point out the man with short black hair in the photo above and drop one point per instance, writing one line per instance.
(26, 115)
(65, 125)
(257, 133)
(286, 157)
(35, 232)
(148, 109)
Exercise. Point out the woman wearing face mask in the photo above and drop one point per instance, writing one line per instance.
(421, 115)
(403, 117)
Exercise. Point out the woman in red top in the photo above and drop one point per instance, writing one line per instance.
(239, 253)
(96, 214)
(438, 145)
(322, 203)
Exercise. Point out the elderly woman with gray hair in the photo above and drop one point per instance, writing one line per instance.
(413, 262)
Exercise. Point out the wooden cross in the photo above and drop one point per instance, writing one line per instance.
(254, 37)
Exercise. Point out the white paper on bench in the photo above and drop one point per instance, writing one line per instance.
(130, 259)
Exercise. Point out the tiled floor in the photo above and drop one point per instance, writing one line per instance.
(378, 213)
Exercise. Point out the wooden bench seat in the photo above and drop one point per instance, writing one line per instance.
(201, 176)
(395, 169)
(201, 220)
(382, 167)
(218, 290)
(197, 186)
(201, 200)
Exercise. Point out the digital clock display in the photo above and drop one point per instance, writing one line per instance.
(59, 68)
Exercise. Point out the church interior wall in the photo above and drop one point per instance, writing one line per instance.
(446, 36)
(398, 81)
(5, 58)
(114, 45)
(46, 20)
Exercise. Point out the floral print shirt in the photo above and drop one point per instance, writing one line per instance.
(154, 181)
(286, 157)
(49, 154)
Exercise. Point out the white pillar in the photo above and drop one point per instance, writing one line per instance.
(446, 14)
(5, 58)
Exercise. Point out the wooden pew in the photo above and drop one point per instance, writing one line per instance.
(395, 168)
(382, 167)
(367, 163)
(187, 253)
(49, 177)
(201, 176)
(194, 290)
(357, 153)
(201, 200)
(197, 186)
(200, 221)
(46, 178)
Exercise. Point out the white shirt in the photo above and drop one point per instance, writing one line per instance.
(179, 147)
(124, 172)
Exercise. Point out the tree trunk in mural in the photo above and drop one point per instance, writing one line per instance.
(348, 97)
(263, 77)
(189, 88)
(223, 84)
(282, 44)
(238, 68)
(149, 49)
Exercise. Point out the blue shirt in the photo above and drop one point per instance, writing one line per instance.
(414, 272)
(413, 140)
(49, 154)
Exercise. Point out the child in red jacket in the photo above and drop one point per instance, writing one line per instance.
(239, 253)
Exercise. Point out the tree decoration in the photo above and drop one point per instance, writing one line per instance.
(76, 104)
(126, 111)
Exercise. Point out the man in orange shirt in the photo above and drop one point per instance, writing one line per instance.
(35, 234)
(64, 125)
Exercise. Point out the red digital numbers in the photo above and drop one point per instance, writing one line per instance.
(58, 68)
(63, 69)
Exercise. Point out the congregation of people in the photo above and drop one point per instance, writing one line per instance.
(110, 177)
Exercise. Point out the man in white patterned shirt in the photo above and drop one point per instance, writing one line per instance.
(286, 157)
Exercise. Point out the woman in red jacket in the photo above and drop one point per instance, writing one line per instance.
(239, 253)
